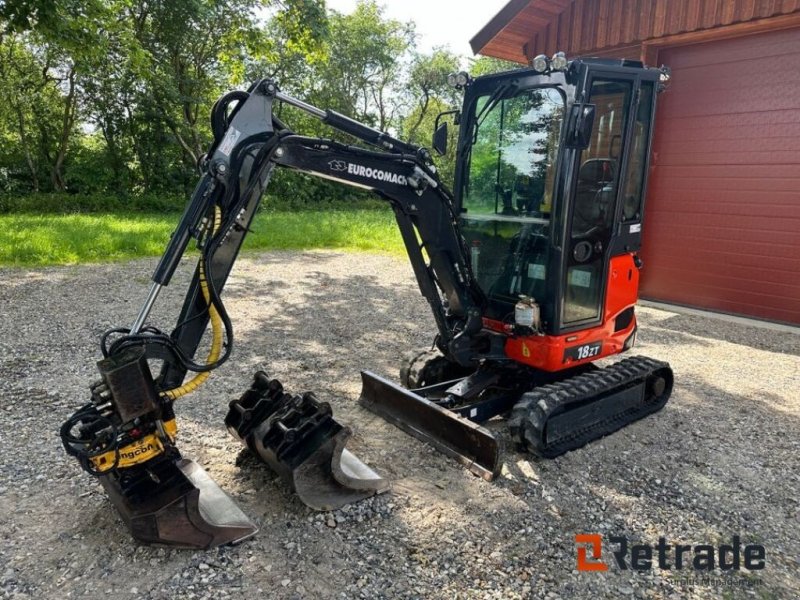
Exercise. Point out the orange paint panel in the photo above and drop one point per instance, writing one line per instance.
(547, 352)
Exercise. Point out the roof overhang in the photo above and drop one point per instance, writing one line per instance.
(507, 33)
(525, 28)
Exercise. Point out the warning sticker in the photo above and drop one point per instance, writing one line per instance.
(580, 278)
(229, 141)
(636, 228)
(535, 271)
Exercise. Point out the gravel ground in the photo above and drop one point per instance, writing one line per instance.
(720, 460)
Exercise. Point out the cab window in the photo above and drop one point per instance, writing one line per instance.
(508, 194)
(595, 202)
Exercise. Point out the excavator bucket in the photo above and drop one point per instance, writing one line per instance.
(299, 439)
(332, 476)
(176, 503)
(470, 444)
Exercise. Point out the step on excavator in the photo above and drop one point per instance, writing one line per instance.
(530, 265)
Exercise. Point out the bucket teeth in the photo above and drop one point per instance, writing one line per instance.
(176, 503)
(299, 439)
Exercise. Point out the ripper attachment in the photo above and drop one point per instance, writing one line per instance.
(299, 439)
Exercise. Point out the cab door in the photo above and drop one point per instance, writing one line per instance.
(601, 193)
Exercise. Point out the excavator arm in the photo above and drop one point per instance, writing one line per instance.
(126, 434)
(238, 169)
(427, 220)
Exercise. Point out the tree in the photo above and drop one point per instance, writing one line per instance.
(114, 95)
(363, 73)
(64, 38)
(19, 85)
(38, 84)
(288, 46)
(428, 85)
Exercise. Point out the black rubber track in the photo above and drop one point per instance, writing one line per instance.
(530, 416)
(429, 367)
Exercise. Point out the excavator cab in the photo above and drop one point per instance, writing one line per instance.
(542, 212)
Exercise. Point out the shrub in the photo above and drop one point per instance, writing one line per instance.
(64, 203)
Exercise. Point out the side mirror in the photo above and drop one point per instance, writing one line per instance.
(440, 139)
(582, 116)
(440, 130)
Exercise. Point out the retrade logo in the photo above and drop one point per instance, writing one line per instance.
(594, 542)
(641, 557)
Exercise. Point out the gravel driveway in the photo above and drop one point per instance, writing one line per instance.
(720, 460)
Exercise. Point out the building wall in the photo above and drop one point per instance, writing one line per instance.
(617, 27)
(722, 218)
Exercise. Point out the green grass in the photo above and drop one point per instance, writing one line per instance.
(38, 240)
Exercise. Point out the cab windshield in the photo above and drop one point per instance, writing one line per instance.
(508, 193)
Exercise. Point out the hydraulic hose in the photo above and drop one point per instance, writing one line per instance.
(217, 332)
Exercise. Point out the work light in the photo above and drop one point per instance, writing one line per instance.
(558, 62)
(459, 80)
(541, 63)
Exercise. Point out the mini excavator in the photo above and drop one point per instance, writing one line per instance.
(530, 266)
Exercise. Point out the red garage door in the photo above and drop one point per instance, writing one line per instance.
(722, 227)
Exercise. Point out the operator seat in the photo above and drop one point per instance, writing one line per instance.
(593, 204)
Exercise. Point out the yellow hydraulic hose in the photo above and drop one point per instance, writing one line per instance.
(216, 330)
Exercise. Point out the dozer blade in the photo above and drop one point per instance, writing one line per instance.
(176, 503)
(299, 439)
(470, 444)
